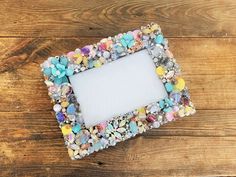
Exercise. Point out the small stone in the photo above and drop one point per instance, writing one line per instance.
(60, 117)
(141, 113)
(176, 97)
(47, 71)
(154, 109)
(155, 27)
(122, 123)
(156, 124)
(159, 39)
(106, 54)
(169, 54)
(97, 63)
(90, 63)
(170, 74)
(121, 130)
(66, 129)
(169, 116)
(76, 128)
(179, 86)
(169, 87)
(64, 104)
(151, 118)
(57, 107)
(71, 152)
(71, 109)
(71, 54)
(160, 71)
(133, 127)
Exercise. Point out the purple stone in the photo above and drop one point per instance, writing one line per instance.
(85, 50)
(60, 117)
(176, 97)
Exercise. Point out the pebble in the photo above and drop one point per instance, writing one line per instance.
(160, 71)
(57, 107)
(76, 128)
(169, 87)
(106, 54)
(64, 104)
(66, 129)
(159, 39)
(47, 71)
(156, 124)
(71, 109)
(169, 116)
(60, 117)
(151, 118)
(133, 127)
(141, 113)
(179, 86)
(97, 64)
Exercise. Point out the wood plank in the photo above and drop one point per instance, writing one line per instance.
(43, 126)
(198, 56)
(207, 92)
(141, 156)
(104, 18)
(211, 85)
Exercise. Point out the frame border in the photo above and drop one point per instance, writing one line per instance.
(82, 141)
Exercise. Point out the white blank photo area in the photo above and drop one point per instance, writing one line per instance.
(117, 88)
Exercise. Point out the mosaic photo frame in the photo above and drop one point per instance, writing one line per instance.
(81, 140)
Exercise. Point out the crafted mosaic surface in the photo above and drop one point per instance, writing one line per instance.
(82, 141)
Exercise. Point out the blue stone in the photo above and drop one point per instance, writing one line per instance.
(60, 117)
(76, 128)
(69, 72)
(159, 39)
(64, 60)
(169, 87)
(90, 63)
(47, 71)
(71, 109)
(133, 127)
(54, 60)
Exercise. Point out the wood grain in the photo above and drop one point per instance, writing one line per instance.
(105, 18)
(201, 35)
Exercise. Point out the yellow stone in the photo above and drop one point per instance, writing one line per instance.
(188, 109)
(97, 64)
(85, 61)
(78, 61)
(70, 152)
(160, 71)
(141, 113)
(146, 31)
(64, 104)
(78, 57)
(154, 27)
(66, 129)
(179, 86)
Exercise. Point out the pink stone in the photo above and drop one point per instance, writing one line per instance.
(169, 54)
(169, 116)
(151, 118)
(70, 54)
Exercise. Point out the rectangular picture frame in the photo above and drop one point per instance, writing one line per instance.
(81, 140)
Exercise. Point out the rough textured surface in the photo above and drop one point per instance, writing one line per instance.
(202, 38)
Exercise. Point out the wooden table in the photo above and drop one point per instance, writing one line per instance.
(202, 37)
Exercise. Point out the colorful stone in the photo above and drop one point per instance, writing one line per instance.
(66, 129)
(180, 84)
(169, 87)
(76, 128)
(159, 39)
(160, 71)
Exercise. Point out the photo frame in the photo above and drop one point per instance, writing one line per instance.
(83, 138)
